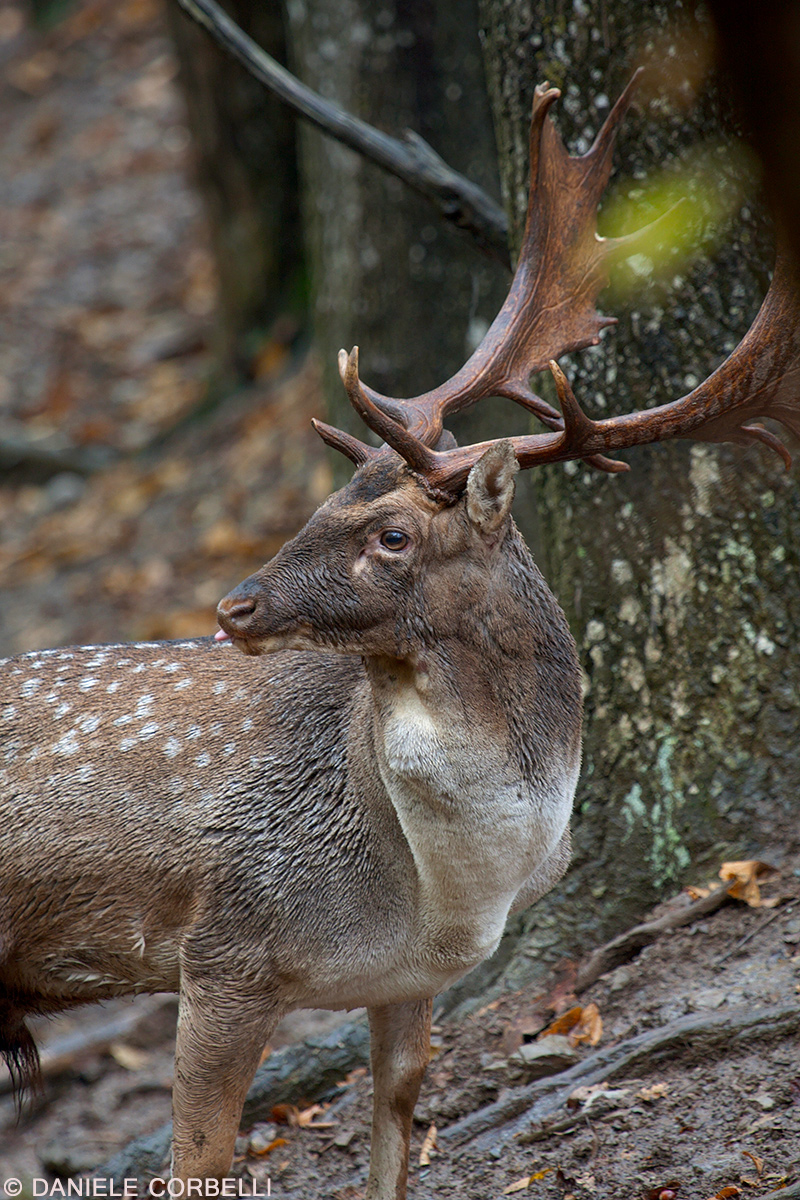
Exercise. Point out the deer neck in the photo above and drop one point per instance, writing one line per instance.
(471, 746)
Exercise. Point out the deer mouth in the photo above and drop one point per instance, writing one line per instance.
(254, 646)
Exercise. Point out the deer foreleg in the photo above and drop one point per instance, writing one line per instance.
(221, 1037)
(400, 1048)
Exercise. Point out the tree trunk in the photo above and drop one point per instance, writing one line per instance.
(386, 272)
(680, 579)
(245, 153)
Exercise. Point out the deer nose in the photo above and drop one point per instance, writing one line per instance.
(235, 610)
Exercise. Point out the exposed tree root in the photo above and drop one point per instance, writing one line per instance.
(520, 1113)
(625, 947)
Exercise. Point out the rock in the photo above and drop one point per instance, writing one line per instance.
(547, 1056)
(791, 934)
(620, 978)
(709, 998)
(260, 1138)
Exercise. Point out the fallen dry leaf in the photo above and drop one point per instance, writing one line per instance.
(590, 1093)
(590, 1027)
(526, 1181)
(351, 1076)
(580, 1024)
(273, 1145)
(757, 1162)
(305, 1118)
(428, 1147)
(563, 1024)
(726, 1193)
(743, 877)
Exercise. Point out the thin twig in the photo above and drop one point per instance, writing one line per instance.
(779, 912)
(457, 199)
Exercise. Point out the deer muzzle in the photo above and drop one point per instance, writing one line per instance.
(238, 612)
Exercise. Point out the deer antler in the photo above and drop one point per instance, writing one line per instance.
(760, 379)
(549, 311)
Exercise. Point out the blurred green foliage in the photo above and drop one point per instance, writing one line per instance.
(682, 211)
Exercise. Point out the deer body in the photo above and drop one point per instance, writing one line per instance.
(307, 828)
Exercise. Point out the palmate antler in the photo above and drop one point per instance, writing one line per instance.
(550, 310)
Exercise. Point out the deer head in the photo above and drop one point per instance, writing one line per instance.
(358, 577)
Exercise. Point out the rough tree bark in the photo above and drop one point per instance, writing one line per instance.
(680, 579)
(386, 273)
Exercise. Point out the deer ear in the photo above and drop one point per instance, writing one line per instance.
(490, 487)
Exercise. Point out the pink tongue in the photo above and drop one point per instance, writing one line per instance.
(222, 636)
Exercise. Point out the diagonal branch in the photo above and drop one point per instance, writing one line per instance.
(457, 199)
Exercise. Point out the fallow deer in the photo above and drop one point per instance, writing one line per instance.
(350, 818)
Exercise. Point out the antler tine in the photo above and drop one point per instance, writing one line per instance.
(411, 448)
(578, 428)
(358, 452)
(550, 308)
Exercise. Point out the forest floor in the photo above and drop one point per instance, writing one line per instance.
(126, 510)
(690, 1091)
(107, 294)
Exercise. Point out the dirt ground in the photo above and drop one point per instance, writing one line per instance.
(691, 1120)
(106, 304)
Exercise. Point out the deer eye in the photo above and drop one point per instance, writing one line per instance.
(394, 539)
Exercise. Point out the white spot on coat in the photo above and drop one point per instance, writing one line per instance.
(68, 744)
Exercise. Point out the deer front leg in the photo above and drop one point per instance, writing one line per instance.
(399, 1049)
(221, 1036)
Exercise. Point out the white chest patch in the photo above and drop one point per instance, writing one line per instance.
(477, 830)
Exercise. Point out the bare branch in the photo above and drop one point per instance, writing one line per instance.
(457, 199)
